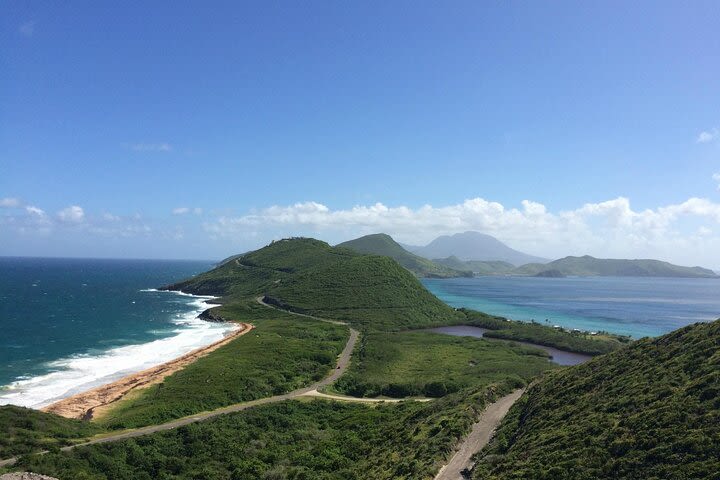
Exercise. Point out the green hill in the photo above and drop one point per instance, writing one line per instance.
(478, 267)
(310, 276)
(651, 410)
(382, 244)
(24, 430)
(590, 266)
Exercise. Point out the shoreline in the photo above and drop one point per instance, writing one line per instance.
(92, 403)
(78, 373)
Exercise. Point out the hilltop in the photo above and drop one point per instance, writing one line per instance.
(383, 244)
(591, 266)
(651, 410)
(309, 276)
(473, 246)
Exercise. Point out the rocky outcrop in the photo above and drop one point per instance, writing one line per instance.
(210, 316)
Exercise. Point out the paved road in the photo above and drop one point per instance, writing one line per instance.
(479, 437)
(342, 365)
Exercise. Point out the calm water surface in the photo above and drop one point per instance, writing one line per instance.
(632, 306)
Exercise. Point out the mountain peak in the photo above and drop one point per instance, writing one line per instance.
(472, 245)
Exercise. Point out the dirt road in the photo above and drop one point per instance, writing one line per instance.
(479, 437)
(342, 364)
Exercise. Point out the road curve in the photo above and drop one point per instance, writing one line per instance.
(342, 364)
(479, 436)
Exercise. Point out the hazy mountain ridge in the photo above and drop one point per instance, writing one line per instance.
(590, 266)
(473, 246)
(383, 244)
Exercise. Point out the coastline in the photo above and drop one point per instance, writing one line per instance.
(94, 402)
(80, 374)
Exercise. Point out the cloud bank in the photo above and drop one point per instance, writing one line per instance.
(609, 228)
(686, 233)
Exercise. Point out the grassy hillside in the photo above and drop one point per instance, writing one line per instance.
(590, 266)
(282, 353)
(24, 430)
(309, 276)
(382, 244)
(429, 364)
(651, 410)
(316, 440)
(478, 267)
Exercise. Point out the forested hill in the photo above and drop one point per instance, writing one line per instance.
(310, 276)
(591, 266)
(382, 244)
(651, 410)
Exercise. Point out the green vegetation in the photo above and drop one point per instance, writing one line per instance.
(539, 334)
(281, 354)
(370, 292)
(309, 276)
(285, 352)
(477, 267)
(590, 266)
(382, 244)
(648, 411)
(431, 364)
(25, 430)
(316, 440)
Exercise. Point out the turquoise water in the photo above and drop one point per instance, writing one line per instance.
(624, 305)
(71, 324)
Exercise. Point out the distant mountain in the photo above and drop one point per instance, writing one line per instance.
(478, 267)
(650, 410)
(473, 246)
(382, 244)
(588, 266)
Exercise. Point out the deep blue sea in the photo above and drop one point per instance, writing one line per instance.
(70, 324)
(625, 305)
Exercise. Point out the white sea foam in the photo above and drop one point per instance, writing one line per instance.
(83, 372)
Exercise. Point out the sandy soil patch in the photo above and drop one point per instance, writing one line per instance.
(91, 403)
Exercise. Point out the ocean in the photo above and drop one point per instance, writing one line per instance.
(68, 325)
(632, 306)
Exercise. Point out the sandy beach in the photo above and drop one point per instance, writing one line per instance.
(92, 403)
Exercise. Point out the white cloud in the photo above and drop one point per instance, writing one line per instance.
(72, 214)
(27, 29)
(610, 228)
(35, 211)
(9, 202)
(151, 147)
(716, 177)
(110, 217)
(184, 210)
(707, 136)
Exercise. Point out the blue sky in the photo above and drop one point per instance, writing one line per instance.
(196, 131)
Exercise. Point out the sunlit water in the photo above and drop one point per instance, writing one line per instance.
(67, 325)
(624, 305)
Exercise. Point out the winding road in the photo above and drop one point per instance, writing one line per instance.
(477, 439)
(342, 364)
